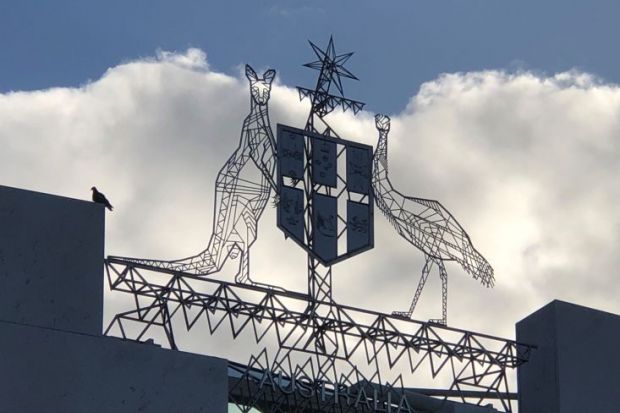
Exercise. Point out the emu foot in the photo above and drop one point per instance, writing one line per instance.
(439, 321)
(248, 281)
(406, 315)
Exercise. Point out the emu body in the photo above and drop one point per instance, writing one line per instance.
(427, 225)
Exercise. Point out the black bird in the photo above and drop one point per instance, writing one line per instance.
(99, 198)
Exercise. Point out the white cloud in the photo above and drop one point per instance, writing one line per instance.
(192, 59)
(527, 163)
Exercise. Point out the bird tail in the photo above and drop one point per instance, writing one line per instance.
(478, 267)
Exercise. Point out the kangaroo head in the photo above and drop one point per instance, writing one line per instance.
(260, 88)
(382, 122)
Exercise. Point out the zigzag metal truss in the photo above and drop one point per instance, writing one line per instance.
(321, 335)
(240, 194)
(476, 361)
(331, 69)
(427, 225)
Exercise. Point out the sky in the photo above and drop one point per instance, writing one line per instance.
(399, 44)
(506, 112)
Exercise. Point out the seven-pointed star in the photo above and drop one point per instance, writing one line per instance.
(331, 64)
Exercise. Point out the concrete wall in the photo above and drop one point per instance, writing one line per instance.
(53, 358)
(51, 261)
(576, 367)
(51, 371)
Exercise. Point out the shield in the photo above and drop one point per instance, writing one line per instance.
(326, 200)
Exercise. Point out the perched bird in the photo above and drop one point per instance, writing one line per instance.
(100, 198)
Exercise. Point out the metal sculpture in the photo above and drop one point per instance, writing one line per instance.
(317, 184)
(323, 172)
(478, 363)
(317, 338)
(331, 69)
(428, 226)
(241, 193)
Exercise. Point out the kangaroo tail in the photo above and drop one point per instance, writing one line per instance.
(201, 264)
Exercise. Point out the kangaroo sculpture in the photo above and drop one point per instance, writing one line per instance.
(242, 190)
(427, 225)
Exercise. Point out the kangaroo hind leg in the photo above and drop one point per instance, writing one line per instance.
(243, 275)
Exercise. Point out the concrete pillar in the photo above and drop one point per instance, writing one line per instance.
(576, 367)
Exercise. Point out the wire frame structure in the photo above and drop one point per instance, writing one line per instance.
(478, 363)
(427, 225)
(317, 339)
(326, 199)
(331, 71)
(240, 195)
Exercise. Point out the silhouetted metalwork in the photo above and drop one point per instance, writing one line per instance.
(240, 194)
(316, 337)
(427, 225)
(331, 69)
(317, 174)
(325, 173)
(276, 387)
(476, 361)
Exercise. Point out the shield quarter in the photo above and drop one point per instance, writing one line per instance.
(326, 200)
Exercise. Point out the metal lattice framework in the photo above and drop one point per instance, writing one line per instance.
(475, 361)
(317, 338)
(331, 69)
(427, 225)
(240, 194)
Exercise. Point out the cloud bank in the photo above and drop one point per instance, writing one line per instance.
(527, 163)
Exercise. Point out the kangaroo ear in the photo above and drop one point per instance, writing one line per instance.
(250, 73)
(269, 75)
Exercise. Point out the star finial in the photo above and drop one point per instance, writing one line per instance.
(330, 64)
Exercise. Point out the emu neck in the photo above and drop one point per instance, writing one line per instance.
(382, 147)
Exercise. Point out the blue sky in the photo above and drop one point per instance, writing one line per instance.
(398, 44)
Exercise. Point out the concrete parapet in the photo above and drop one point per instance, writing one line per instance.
(576, 367)
(51, 261)
(45, 370)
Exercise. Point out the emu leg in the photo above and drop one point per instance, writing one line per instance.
(443, 274)
(428, 265)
